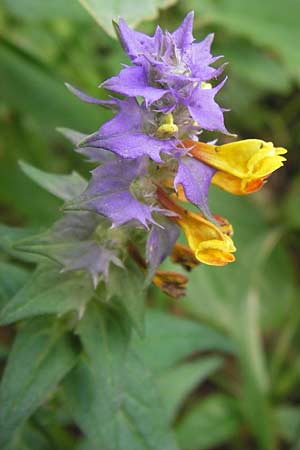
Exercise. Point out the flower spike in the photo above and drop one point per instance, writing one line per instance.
(149, 158)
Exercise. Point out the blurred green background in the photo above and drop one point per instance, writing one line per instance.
(243, 393)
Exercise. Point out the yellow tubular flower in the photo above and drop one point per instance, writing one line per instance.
(236, 185)
(208, 242)
(242, 166)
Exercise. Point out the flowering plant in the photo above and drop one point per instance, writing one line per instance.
(150, 182)
(149, 158)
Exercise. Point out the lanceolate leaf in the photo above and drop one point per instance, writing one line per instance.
(176, 383)
(49, 292)
(169, 339)
(111, 395)
(209, 424)
(9, 236)
(62, 186)
(41, 356)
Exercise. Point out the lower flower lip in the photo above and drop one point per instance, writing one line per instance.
(215, 258)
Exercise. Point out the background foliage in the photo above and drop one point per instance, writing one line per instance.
(219, 369)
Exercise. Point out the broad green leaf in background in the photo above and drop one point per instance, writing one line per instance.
(177, 382)
(49, 292)
(210, 423)
(111, 395)
(133, 11)
(62, 186)
(41, 356)
(169, 339)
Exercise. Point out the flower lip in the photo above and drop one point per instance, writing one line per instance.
(247, 160)
(243, 166)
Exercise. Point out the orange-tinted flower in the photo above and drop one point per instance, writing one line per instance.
(208, 242)
(243, 166)
(235, 185)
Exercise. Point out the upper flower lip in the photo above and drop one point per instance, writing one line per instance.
(248, 160)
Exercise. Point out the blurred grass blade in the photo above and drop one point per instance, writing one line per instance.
(256, 385)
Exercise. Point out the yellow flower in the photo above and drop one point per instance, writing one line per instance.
(211, 244)
(235, 185)
(208, 242)
(243, 166)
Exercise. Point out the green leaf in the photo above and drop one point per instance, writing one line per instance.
(31, 10)
(177, 382)
(210, 423)
(12, 278)
(41, 356)
(62, 186)
(111, 396)
(8, 238)
(170, 339)
(49, 292)
(132, 11)
(127, 286)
